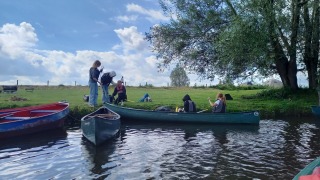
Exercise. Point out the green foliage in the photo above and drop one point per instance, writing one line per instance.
(179, 77)
(238, 39)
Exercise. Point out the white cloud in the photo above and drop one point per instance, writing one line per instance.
(37, 67)
(126, 18)
(14, 40)
(131, 39)
(151, 15)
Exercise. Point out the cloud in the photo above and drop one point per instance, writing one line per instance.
(37, 67)
(151, 15)
(131, 39)
(126, 18)
(15, 40)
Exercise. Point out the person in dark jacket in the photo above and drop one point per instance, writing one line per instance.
(188, 104)
(120, 89)
(106, 80)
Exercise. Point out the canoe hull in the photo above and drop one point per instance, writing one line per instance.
(316, 111)
(98, 129)
(252, 117)
(23, 122)
(35, 107)
(308, 169)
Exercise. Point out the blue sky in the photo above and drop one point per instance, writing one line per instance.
(58, 40)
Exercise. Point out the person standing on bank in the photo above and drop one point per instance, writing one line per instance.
(93, 83)
(106, 80)
(219, 106)
(188, 104)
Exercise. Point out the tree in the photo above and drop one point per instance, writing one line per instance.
(236, 39)
(179, 77)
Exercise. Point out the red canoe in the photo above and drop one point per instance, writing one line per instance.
(20, 121)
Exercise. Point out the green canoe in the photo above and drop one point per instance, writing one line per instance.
(100, 125)
(251, 117)
(308, 169)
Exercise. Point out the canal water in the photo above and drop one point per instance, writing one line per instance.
(275, 149)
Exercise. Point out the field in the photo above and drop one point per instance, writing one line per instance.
(270, 102)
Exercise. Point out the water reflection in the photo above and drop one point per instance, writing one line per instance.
(30, 141)
(275, 149)
(99, 158)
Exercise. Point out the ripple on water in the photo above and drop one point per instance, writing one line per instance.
(275, 148)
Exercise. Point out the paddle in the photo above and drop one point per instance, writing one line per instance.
(202, 111)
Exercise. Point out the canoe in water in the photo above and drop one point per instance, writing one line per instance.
(100, 125)
(17, 122)
(309, 169)
(251, 117)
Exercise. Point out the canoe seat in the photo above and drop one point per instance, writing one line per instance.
(44, 111)
(16, 118)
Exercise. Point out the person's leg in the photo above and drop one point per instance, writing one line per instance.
(117, 100)
(105, 94)
(92, 93)
(95, 94)
(121, 97)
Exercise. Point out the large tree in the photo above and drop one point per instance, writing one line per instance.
(238, 38)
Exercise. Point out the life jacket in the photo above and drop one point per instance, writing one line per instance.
(221, 108)
(191, 106)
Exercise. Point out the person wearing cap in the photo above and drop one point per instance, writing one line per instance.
(106, 80)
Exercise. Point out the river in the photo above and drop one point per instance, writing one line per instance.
(275, 149)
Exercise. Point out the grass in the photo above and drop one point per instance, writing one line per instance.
(270, 102)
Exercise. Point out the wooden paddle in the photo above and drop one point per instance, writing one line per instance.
(202, 111)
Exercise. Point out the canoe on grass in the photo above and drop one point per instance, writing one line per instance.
(28, 121)
(309, 169)
(100, 125)
(251, 117)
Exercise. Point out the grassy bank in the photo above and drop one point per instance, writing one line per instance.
(270, 102)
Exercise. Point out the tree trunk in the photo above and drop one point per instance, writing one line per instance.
(287, 69)
(311, 36)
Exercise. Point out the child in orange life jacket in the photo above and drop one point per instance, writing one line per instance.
(120, 89)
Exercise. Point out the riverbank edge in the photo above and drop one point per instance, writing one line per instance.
(77, 112)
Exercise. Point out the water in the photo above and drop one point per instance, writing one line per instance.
(276, 149)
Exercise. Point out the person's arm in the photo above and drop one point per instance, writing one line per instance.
(216, 103)
(95, 73)
(211, 104)
(115, 92)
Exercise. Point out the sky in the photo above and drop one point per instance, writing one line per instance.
(57, 41)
